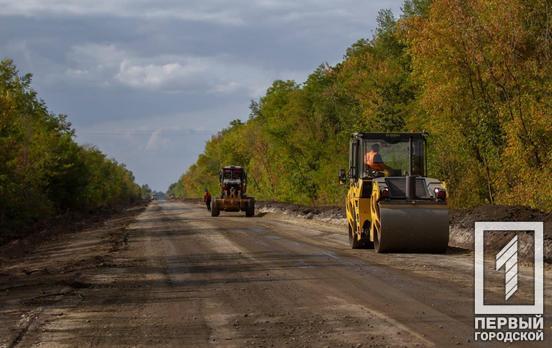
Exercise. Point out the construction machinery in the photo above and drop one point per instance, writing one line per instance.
(391, 205)
(233, 186)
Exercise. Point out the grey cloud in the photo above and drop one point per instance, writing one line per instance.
(237, 12)
(175, 73)
(199, 11)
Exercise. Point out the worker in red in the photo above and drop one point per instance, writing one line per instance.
(373, 159)
(207, 199)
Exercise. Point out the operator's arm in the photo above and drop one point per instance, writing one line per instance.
(380, 165)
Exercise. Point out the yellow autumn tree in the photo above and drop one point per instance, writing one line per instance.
(484, 70)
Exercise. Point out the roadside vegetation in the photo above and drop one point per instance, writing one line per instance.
(476, 75)
(44, 173)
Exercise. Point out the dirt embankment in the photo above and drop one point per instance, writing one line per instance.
(462, 222)
(40, 275)
(25, 247)
(18, 239)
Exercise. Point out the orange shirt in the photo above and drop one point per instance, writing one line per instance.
(370, 161)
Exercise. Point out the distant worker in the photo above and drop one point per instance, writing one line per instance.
(207, 199)
(373, 159)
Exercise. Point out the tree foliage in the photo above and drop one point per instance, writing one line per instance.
(476, 74)
(43, 171)
(484, 67)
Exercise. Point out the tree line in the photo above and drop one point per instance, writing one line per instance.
(44, 173)
(476, 74)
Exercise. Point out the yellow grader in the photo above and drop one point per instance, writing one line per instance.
(233, 186)
(391, 205)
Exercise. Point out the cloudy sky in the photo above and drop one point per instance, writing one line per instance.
(149, 82)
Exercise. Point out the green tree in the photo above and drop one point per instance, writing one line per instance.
(43, 171)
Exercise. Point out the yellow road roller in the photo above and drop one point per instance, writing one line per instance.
(391, 205)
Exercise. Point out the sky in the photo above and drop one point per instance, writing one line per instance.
(149, 82)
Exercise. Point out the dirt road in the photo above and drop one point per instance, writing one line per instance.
(175, 276)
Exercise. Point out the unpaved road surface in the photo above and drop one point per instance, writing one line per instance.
(174, 276)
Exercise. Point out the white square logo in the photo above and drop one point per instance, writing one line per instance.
(506, 259)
